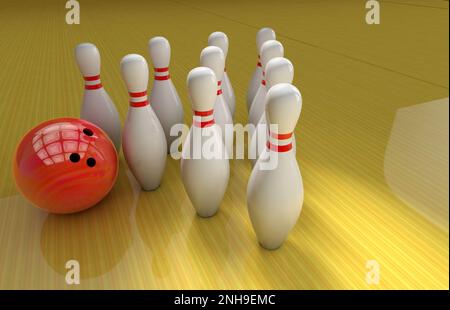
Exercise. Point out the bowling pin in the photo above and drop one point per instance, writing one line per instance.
(275, 196)
(220, 39)
(144, 143)
(164, 97)
(263, 35)
(278, 70)
(270, 49)
(205, 177)
(97, 106)
(212, 57)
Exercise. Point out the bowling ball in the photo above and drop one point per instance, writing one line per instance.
(65, 165)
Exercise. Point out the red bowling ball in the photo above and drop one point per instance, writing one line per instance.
(65, 165)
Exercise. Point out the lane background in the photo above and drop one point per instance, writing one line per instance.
(353, 78)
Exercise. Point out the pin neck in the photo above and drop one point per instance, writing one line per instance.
(258, 64)
(280, 143)
(203, 119)
(219, 88)
(138, 99)
(162, 74)
(92, 82)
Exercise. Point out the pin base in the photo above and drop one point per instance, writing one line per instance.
(151, 189)
(205, 216)
(274, 248)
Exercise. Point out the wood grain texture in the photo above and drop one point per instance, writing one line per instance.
(353, 78)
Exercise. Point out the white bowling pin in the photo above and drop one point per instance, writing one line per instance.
(263, 35)
(275, 196)
(220, 39)
(278, 70)
(144, 143)
(205, 176)
(270, 49)
(97, 106)
(212, 57)
(164, 97)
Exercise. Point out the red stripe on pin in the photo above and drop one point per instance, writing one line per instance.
(279, 148)
(204, 113)
(281, 136)
(138, 94)
(219, 92)
(139, 104)
(263, 82)
(162, 78)
(204, 124)
(92, 87)
(92, 78)
(161, 69)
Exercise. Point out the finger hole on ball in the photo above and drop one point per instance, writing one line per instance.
(91, 162)
(74, 157)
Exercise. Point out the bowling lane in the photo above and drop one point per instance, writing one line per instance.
(364, 89)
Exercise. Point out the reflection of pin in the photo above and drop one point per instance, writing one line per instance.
(278, 70)
(205, 177)
(275, 197)
(220, 39)
(164, 97)
(97, 106)
(263, 35)
(213, 58)
(270, 49)
(144, 143)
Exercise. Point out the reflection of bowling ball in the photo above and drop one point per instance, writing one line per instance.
(97, 238)
(65, 165)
